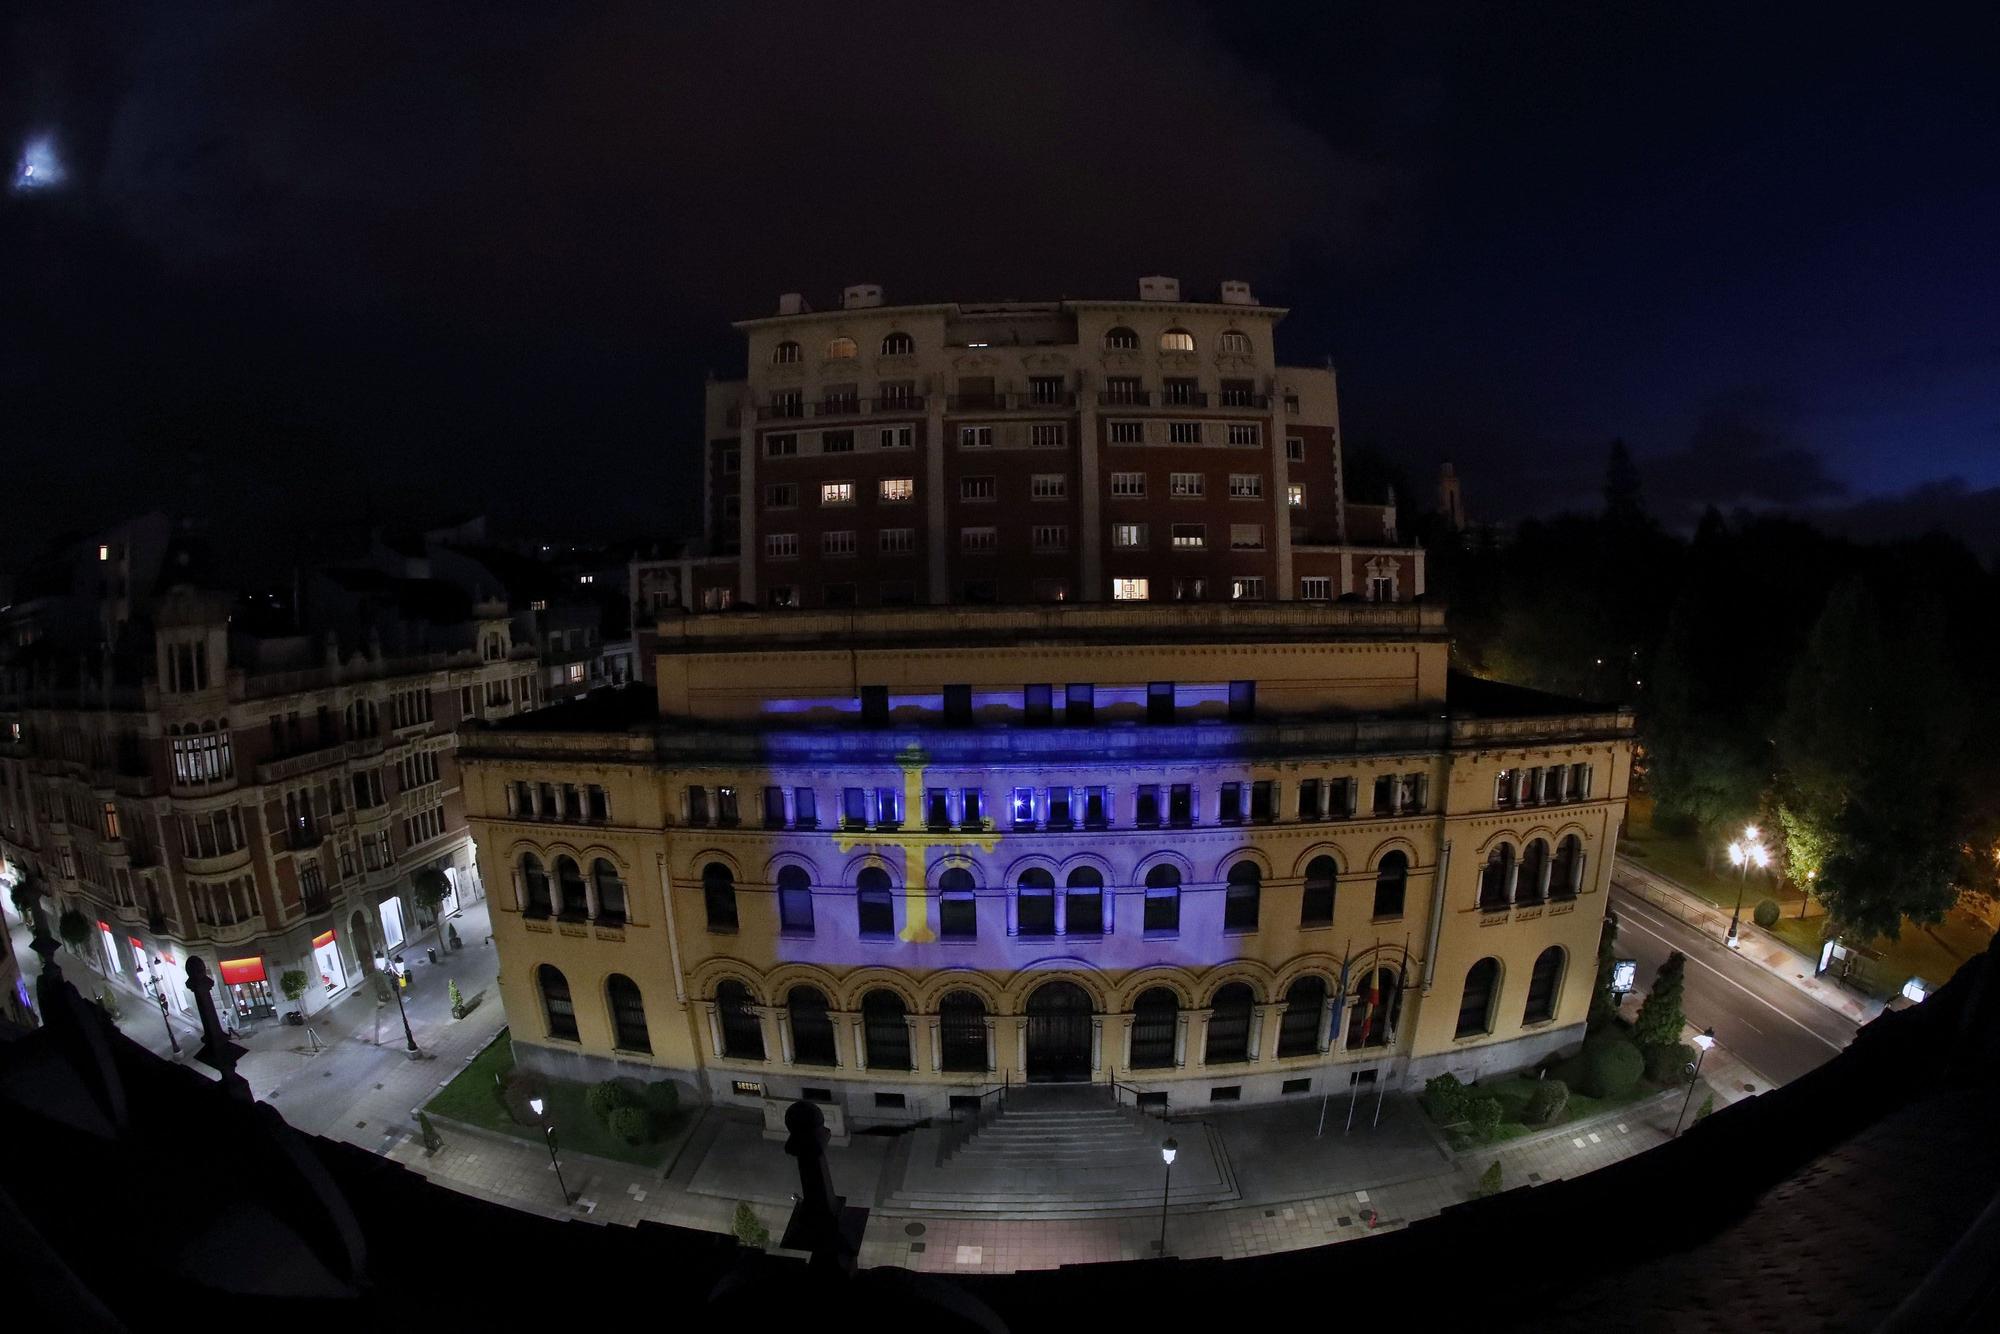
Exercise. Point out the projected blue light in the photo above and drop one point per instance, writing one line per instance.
(40, 166)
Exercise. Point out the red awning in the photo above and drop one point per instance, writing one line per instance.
(242, 970)
(323, 938)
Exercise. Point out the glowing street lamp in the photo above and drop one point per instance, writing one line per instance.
(1702, 1041)
(535, 1105)
(1742, 855)
(1168, 1148)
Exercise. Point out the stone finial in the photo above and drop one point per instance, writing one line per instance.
(217, 1051)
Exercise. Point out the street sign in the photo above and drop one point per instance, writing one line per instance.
(1624, 973)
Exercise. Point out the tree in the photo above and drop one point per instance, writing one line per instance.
(293, 983)
(750, 1229)
(432, 1140)
(1489, 1181)
(74, 928)
(1603, 1000)
(457, 1001)
(428, 886)
(1660, 1019)
(1623, 503)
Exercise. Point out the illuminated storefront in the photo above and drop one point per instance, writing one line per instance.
(326, 957)
(391, 910)
(249, 988)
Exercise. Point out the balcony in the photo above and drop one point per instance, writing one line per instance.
(220, 864)
(781, 412)
(1190, 398)
(1011, 402)
(1124, 398)
(317, 904)
(302, 762)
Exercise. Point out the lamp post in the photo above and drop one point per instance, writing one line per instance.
(549, 1136)
(1702, 1041)
(160, 995)
(402, 974)
(1168, 1148)
(1741, 855)
(1805, 896)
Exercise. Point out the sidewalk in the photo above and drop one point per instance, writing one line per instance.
(1756, 944)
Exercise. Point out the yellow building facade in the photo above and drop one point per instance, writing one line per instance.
(887, 859)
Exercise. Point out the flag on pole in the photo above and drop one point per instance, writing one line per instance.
(1370, 1003)
(1340, 996)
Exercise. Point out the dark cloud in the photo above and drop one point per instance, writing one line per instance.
(1952, 507)
(1742, 455)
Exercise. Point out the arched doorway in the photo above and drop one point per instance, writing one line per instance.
(358, 937)
(1059, 1033)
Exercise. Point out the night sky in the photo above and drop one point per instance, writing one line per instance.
(312, 266)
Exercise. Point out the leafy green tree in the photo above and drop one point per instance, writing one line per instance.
(1660, 1019)
(74, 928)
(1603, 1001)
(1623, 501)
(428, 886)
(1489, 1181)
(293, 983)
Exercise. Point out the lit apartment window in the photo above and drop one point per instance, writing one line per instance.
(839, 349)
(1186, 484)
(1129, 485)
(979, 541)
(1048, 435)
(898, 437)
(1177, 340)
(1131, 536)
(785, 354)
(781, 446)
(1246, 536)
(103, 551)
(898, 541)
(1244, 433)
(1127, 433)
(1190, 536)
(1295, 449)
(1316, 588)
(975, 437)
(1246, 486)
(1246, 587)
(781, 546)
(1049, 486)
(1235, 341)
(837, 543)
(894, 490)
(1051, 537)
(836, 493)
(976, 488)
(1128, 590)
(783, 496)
(1183, 433)
(1295, 496)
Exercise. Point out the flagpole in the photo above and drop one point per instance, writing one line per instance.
(1395, 1008)
(1354, 1083)
(1333, 1036)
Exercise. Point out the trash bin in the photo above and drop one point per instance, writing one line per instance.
(432, 951)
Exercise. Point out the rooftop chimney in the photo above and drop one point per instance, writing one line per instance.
(1157, 288)
(792, 303)
(861, 296)
(1237, 293)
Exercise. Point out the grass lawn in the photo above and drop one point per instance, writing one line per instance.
(473, 1098)
(1930, 952)
(1514, 1091)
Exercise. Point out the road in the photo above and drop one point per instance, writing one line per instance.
(1772, 1026)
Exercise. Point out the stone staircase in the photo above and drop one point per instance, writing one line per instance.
(1056, 1151)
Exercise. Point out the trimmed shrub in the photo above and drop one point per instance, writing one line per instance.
(1660, 1020)
(432, 1140)
(457, 1001)
(663, 1100)
(610, 1096)
(1668, 1063)
(1489, 1181)
(1765, 914)
(749, 1229)
(1483, 1110)
(515, 1092)
(1706, 1109)
(634, 1125)
(1445, 1098)
(1611, 1066)
(1547, 1103)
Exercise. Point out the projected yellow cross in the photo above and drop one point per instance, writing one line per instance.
(914, 842)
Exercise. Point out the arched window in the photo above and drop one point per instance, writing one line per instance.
(1316, 901)
(898, 345)
(1229, 1024)
(742, 1030)
(1083, 902)
(1177, 340)
(1239, 904)
(718, 895)
(1121, 339)
(610, 893)
(785, 354)
(1566, 880)
(1163, 898)
(1235, 340)
(839, 349)
(962, 1031)
(1035, 903)
(886, 1030)
(1544, 985)
(1156, 1019)
(557, 1007)
(1475, 1003)
(1305, 1012)
(628, 1014)
(812, 1026)
(1496, 878)
(1533, 885)
(1392, 876)
(875, 902)
(571, 901)
(795, 900)
(534, 886)
(1378, 1008)
(958, 908)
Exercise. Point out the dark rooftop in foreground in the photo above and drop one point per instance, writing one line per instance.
(1468, 696)
(607, 709)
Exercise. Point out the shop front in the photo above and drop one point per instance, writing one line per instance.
(112, 962)
(391, 911)
(249, 989)
(326, 958)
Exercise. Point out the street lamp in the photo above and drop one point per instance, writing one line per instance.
(1702, 1041)
(1168, 1148)
(1741, 855)
(402, 974)
(160, 995)
(549, 1135)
